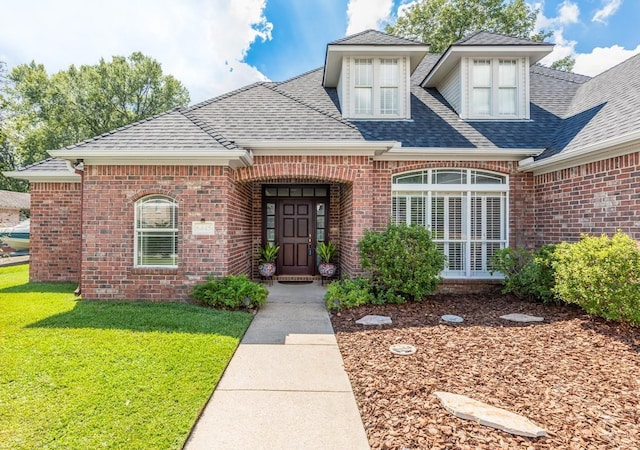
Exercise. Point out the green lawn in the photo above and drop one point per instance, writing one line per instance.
(78, 374)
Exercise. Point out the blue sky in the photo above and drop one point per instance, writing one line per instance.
(214, 46)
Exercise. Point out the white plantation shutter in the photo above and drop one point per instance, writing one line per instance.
(467, 224)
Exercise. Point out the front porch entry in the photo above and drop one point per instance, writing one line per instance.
(296, 218)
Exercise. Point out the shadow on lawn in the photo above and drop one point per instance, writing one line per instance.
(53, 288)
(148, 317)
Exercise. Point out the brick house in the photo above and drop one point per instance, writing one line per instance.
(479, 144)
(14, 207)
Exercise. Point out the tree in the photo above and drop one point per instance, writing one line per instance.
(7, 153)
(566, 64)
(49, 112)
(440, 23)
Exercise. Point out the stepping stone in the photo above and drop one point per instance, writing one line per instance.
(402, 349)
(450, 318)
(467, 408)
(522, 318)
(374, 320)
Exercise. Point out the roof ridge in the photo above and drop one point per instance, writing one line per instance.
(299, 76)
(209, 130)
(352, 35)
(467, 37)
(225, 95)
(551, 75)
(335, 117)
(614, 67)
(124, 127)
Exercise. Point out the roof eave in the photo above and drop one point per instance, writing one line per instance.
(209, 157)
(325, 148)
(608, 148)
(335, 53)
(458, 154)
(42, 176)
(452, 56)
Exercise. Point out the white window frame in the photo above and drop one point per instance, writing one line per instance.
(140, 231)
(377, 88)
(494, 89)
(423, 195)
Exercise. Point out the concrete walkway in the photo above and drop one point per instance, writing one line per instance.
(285, 387)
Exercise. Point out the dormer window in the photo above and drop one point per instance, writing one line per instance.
(494, 88)
(375, 88)
(363, 86)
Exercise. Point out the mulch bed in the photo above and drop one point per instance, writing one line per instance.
(575, 376)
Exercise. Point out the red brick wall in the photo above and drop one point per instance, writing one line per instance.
(55, 232)
(596, 198)
(110, 194)
(360, 199)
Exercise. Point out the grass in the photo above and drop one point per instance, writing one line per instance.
(78, 374)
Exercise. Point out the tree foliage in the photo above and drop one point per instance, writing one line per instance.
(443, 22)
(565, 64)
(44, 112)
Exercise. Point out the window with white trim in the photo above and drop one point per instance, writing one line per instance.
(465, 209)
(363, 86)
(376, 88)
(156, 232)
(494, 88)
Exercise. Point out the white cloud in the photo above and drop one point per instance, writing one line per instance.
(609, 9)
(365, 14)
(592, 63)
(201, 42)
(602, 58)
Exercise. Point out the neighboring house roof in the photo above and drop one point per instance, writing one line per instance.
(14, 200)
(374, 37)
(567, 111)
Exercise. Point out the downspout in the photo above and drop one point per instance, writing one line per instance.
(79, 169)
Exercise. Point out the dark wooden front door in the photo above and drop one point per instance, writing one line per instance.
(296, 235)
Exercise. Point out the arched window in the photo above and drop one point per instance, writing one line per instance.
(465, 209)
(156, 232)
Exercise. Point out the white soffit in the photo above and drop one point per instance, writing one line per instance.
(335, 53)
(457, 154)
(454, 54)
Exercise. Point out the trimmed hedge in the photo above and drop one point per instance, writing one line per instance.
(403, 261)
(602, 275)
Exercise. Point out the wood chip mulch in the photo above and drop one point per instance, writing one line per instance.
(576, 376)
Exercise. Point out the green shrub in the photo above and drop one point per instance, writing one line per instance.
(602, 275)
(230, 292)
(403, 261)
(527, 273)
(348, 294)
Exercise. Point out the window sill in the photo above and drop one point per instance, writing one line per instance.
(153, 270)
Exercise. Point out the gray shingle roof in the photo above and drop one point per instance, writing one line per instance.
(267, 112)
(489, 38)
(171, 130)
(48, 165)
(374, 37)
(567, 111)
(604, 107)
(14, 200)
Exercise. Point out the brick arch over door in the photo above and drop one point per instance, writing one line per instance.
(333, 169)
